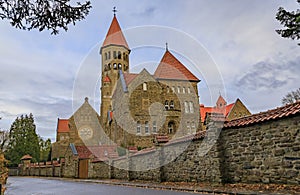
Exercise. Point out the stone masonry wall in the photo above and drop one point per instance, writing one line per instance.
(268, 152)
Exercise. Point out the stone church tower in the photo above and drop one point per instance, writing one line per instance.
(115, 56)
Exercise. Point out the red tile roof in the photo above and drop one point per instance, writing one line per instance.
(171, 68)
(100, 153)
(224, 110)
(115, 35)
(63, 126)
(129, 77)
(285, 111)
(162, 138)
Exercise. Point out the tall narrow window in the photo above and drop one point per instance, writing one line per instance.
(124, 57)
(146, 127)
(171, 127)
(138, 127)
(186, 107)
(105, 56)
(115, 55)
(144, 86)
(171, 104)
(168, 89)
(109, 55)
(154, 127)
(189, 90)
(109, 66)
(183, 89)
(178, 89)
(119, 55)
(167, 105)
(191, 107)
(173, 89)
(115, 66)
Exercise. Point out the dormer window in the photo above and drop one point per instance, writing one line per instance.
(145, 86)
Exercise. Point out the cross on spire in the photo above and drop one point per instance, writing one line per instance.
(114, 10)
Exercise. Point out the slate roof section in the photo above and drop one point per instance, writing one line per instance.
(63, 126)
(115, 35)
(278, 113)
(171, 68)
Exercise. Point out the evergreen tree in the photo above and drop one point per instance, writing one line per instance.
(23, 140)
(45, 149)
(290, 20)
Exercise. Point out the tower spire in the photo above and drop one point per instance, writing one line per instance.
(167, 49)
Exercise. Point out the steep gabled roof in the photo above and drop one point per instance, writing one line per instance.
(63, 126)
(221, 101)
(115, 35)
(171, 68)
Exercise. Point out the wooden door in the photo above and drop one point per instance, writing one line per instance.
(83, 168)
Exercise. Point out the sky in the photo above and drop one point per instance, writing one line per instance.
(230, 45)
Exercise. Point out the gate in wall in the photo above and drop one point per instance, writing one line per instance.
(83, 168)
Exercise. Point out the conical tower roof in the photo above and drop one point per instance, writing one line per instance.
(171, 68)
(115, 35)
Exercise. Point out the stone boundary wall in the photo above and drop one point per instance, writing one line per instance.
(265, 152)
(48, 169)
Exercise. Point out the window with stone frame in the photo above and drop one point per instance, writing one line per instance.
(115, 66)
(183, 89)
(168, 89)
(166, 105)
(173, 89)
(120, 66)
(115, 55)
(119, 55)
(172, 105)
(178, 89)
(189, 90)
(109, 55)
(186, 107)
(144, 86)
(147, 127)
(191, 107)
(154, 127)
(105, 56)
(171, 127)
(138, 127)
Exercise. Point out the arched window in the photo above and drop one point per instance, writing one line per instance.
(109, 55)
(171, 104)
(115, 66)
(105, 67)
(124, 57)
(191, 107)
(115, 55)
(171, 127)
(167, 105)
(183, 89)
(144, 86)
(154, 127)
(119, 55)
(178, 89)
(120, 66)
(173, 89)
(146, 127)
(186, 107)
(125, 68)
(138, 127)
(105, 56)
(189, 90)
(109, 66)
